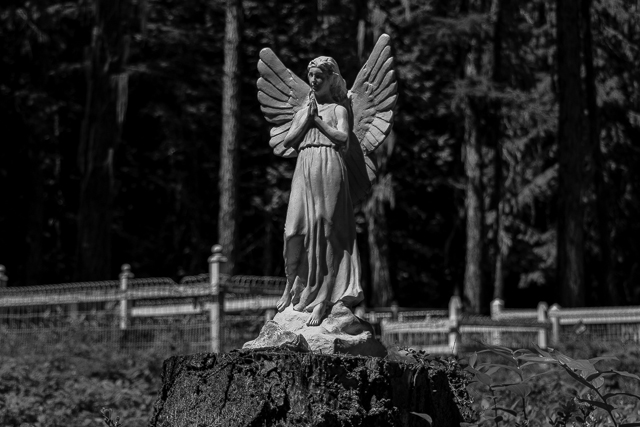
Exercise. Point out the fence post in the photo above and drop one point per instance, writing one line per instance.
(543, 320)
(216, 309)
(394, 310)
(454, 323)
(497, 306)
(554, 316)
(125, 275)
(3, 277)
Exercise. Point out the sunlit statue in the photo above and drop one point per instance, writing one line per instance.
(332, 132)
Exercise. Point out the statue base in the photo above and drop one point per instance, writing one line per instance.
(340, 332)
(280, 388)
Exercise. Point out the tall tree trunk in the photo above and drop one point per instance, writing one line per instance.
(104, 114)
(499, 243)
(375, 211)
(371, 22)
(378, 240)
(571, 152)
(473, 291)
(362, 11)
(375, 208)
(35, 216)
(473, 284)
(267, 261)
(227, 217)
(495, 134)
(609, 291)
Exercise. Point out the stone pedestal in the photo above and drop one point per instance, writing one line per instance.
(340, 332)
(271, 388)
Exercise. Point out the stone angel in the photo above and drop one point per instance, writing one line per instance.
(333, 133)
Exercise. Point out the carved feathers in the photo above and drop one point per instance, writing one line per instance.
(373, 97)
(281, 94)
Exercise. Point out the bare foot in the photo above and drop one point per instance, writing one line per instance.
(316, 315)
(284, 301)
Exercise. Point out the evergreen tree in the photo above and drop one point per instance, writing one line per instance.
(227, 214)
(571, 156)
(107, 95)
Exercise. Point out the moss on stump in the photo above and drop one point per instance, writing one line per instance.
(275, 388)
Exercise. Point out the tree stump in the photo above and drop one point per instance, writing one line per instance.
(278, 388)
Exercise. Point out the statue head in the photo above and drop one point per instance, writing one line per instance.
(337, 85)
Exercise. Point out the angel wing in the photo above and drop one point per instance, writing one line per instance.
(373, 96)
(281, 94)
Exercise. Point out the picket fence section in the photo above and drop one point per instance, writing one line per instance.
(215, 312)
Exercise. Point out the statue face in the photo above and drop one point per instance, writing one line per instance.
(319, 81)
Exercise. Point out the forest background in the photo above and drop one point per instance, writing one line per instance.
(131, 133)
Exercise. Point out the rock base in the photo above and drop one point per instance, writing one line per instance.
(340, 332)
(286, 389)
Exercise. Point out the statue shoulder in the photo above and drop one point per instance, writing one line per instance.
(341, 111)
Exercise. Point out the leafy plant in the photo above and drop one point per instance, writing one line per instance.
(110, 422)
(69, 386)
(591, 399)
(457, 378)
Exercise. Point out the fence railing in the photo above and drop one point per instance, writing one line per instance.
(208, 312)
(461, 332)
(215, 312)
(513, 328)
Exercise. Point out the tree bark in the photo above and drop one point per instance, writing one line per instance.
(375, 208)
(101, 130)
(227, 214)
(362, 11)
(475, 218)
(571, 154)
(35, 216)
(268, 251)
(495, 134)
(272, 387)
(378, 232)
(609, 291)
(473, 283)
(378, 239)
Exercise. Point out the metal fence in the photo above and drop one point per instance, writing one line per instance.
(215, 312)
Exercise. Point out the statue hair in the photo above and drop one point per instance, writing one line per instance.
(338, 87)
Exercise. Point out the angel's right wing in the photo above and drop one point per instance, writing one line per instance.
(281, 94)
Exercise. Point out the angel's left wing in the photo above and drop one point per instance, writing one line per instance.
(373, 96)
(281, 94)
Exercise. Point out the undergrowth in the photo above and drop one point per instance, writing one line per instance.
(457, 378)
(70, 386)
(523, 388)
(79, 385)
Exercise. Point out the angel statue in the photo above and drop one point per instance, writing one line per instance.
(333, 133)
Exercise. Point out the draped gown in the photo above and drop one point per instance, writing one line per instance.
(320, 252)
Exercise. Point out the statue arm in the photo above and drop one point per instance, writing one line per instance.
(338, 135)
(299, 127)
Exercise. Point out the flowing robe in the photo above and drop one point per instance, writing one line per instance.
(320, 252)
